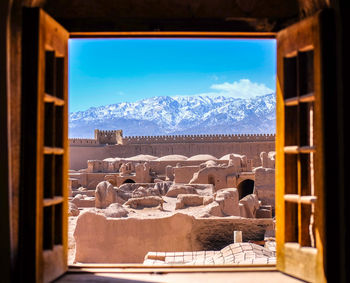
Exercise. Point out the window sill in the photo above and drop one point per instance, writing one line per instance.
(137, 273)
(174, 268)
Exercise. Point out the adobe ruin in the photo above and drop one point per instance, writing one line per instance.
(154, 201)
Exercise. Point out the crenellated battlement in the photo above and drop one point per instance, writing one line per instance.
(250, 145)
(109, 136)
(198, 138)
(81, 141)
(116, 137)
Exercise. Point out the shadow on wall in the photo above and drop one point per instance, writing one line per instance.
(211, 180)
(128, 181)
(245, 188)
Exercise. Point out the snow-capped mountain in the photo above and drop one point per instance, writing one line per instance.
(165, 115)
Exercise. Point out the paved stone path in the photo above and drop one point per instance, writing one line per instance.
(238, 253)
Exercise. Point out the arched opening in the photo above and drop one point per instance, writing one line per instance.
(128, 181)
(211, 180)
(246, 187)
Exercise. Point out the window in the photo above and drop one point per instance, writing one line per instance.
(201, 58)
(299, 149)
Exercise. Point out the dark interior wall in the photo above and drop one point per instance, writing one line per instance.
(10, 107)
(14, 106)
(190, 15)
(5, 260)
(343, 47)
(337, 193)
(170, 15)
(310, 7)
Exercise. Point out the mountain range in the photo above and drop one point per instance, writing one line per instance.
(165, 115)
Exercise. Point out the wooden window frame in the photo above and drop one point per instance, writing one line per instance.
(44, 148)
(296, 255)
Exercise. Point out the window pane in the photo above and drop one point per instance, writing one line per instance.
(60, 77)
(48, 176)
(305, 174)
(306, 72)
(58, 224)
(49, 72)
(59, 175)
(59, 126)
(290, 77)
(305, 235)
(291, 222)
(47, 229)
(306, 117)
(48, 128)
(291, 125)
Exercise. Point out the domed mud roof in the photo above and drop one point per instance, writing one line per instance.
(202, 157)
(110, 159)
(142, 157)
(171, 157)
(227, 156)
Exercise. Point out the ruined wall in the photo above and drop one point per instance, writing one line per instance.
(265, 185)
(128, 240)
(184, 174)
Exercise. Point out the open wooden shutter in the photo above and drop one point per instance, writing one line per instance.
(300, 160)
(44, 148)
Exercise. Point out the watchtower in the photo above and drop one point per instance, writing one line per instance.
(109, 137)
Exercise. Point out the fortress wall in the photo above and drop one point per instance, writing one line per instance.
(82, 142)
(115, 137)
(252, 149)
(79, 155)
(197, 138)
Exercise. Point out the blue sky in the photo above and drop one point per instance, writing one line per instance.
(108, 71)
